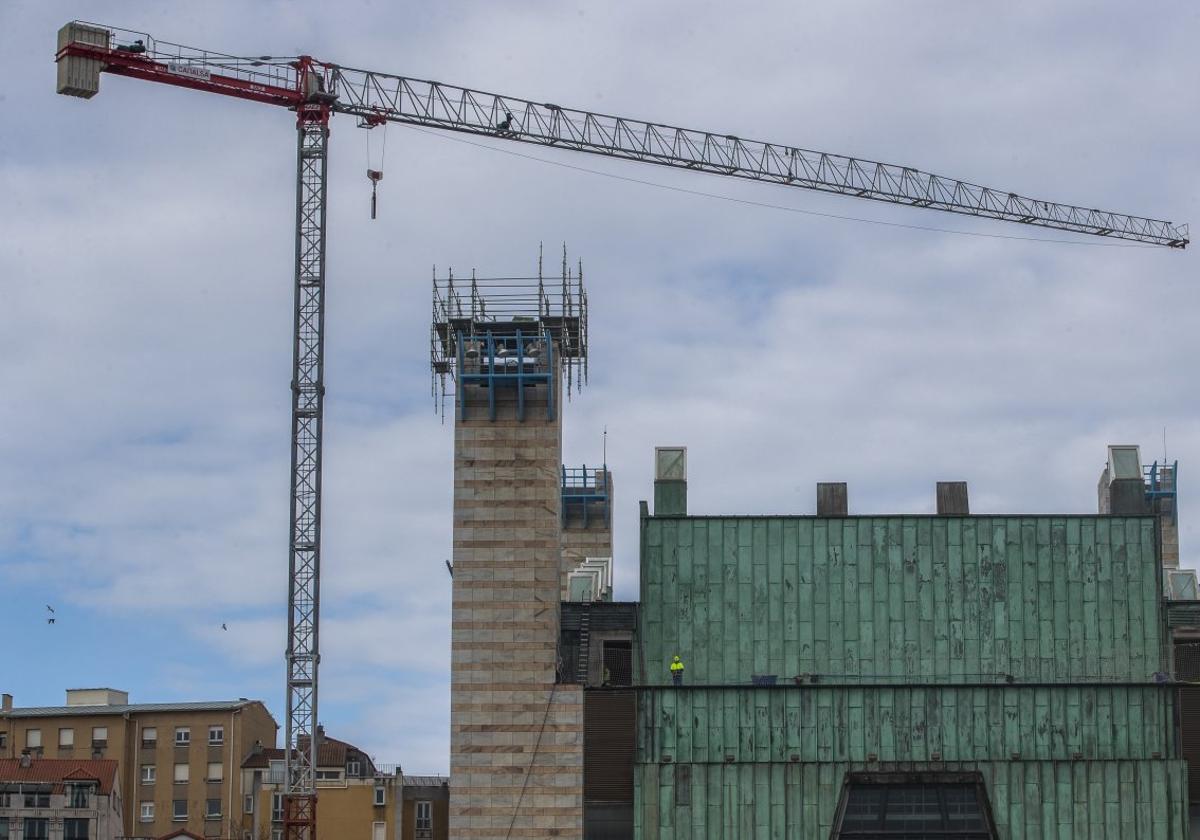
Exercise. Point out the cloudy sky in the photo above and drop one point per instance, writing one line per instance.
(146, 266)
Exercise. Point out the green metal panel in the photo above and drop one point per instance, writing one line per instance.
(940, 599)
(1030, 800)
(670, 498)
(905, 723)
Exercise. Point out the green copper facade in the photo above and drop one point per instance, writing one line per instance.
(1022, 648)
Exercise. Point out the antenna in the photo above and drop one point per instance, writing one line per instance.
(605, 446)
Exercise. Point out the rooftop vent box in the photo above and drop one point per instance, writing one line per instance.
(1124, 462)
(96, 697)
(670, 463)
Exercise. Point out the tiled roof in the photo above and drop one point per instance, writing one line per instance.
(330, 753)
(59, 770)
(56, 711)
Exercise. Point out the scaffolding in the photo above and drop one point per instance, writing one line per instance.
(1161, 483)
(508, 332)
(583, 489)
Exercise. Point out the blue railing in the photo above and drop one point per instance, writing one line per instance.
(1162, 482)
(511, 360)
(583, 487)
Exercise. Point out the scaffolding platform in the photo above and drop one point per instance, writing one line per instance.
(508, 332)
(585, 489)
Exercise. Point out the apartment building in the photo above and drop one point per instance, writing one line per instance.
(355, 799)
(424, 807)
(59, 799)
(177, 762)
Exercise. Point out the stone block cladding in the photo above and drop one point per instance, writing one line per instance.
(516, 737)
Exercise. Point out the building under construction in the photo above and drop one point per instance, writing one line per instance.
(911, 676)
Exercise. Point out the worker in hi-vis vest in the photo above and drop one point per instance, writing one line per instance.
(676, 670)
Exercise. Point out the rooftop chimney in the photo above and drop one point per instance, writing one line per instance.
(6, 703)
(832, 498)
(952, 499)
(26, 758)
(670, 481)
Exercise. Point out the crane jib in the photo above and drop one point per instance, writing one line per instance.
(375, 98)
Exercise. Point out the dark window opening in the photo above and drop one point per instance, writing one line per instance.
(37, 799)
(914, 807)
(75, 829)
(618, 663)
(78, 795)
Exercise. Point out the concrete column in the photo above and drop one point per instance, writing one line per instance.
(594, 540)
(516, 748)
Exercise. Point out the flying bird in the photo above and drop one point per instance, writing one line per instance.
(223, 627)
(50, 619)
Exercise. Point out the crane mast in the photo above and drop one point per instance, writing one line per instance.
(316, 90)
(308, 400)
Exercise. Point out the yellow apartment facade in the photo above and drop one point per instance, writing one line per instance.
(179, 764)
(355, 799)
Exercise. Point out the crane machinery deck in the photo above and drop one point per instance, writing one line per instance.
(317, 90)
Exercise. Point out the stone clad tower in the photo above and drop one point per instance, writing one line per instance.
(516, 751)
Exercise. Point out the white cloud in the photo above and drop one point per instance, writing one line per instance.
(144, 355)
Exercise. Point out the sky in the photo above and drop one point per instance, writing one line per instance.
(146, 261)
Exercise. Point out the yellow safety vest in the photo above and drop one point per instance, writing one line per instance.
(676, 665)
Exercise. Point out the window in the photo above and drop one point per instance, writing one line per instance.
(247, 804)
(183, 736)
(216, 736)
(914, 807)
(179, 810)
(380, 795)
(66, 738)
(5, 802)
(33, 738)
(3, 740)
(37, 828)
(329, 775)
(99, 737)
(181, 774)
(37, 799)
(212, 809)
(149, 774)
(216, 771)
(424, 816)
(149, 737)
(146, 812)
(353, 768)
(378, 831)
(276, 807)
(618, 662)
(78, 796)
(3, 828)
(75, 828)
(277, 834)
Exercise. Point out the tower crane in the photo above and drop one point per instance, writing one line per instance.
(317, 90)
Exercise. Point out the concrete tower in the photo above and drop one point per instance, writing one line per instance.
(516, 728)
(1128, 487)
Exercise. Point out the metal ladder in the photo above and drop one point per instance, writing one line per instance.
(581, 667)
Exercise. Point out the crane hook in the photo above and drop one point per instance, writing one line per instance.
(375, 176)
